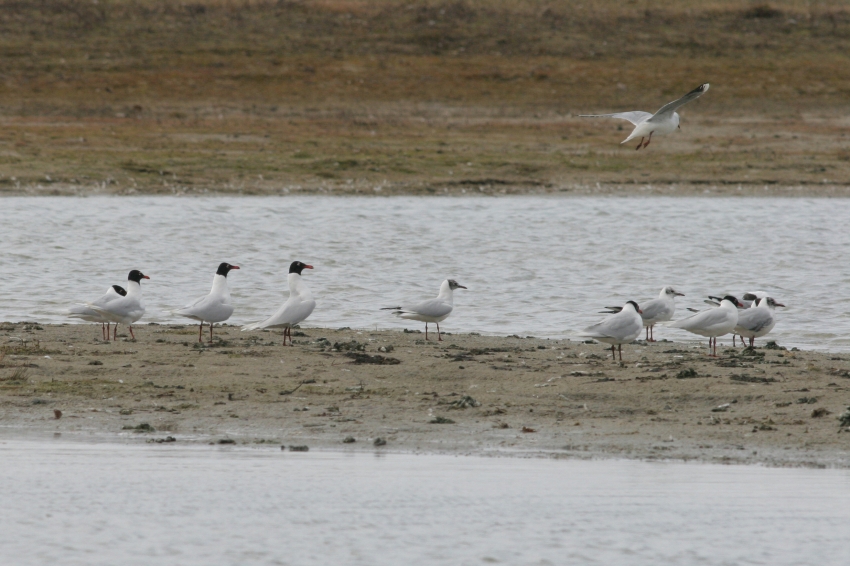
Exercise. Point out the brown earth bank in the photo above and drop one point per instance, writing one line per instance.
(390, 390)
(420, 97)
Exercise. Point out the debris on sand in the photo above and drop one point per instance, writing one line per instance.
(821, 412)
(844, 418)
(379, 442)
(57, 414)
(687, 374)
(299, 448)
(464, 402)
(377, 359)
(349, 440)
(143, 427)
(441, 420)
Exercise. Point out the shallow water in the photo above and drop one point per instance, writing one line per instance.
(534, 265)
(89, 504)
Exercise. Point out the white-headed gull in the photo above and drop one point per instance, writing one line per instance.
(712, 322)
(757, 320)
(656, 310)
(432, 310)
(212, 308)
(297, 308)
(129, 308)
(87, 313)
(618, 329)
(664, 121)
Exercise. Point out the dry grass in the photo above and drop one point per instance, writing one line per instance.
(155, 95)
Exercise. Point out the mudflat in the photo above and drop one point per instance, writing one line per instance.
(391, 390)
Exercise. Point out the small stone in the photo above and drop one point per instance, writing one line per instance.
(57, 414)
(299, 448)
(379, 442)
(349, 440)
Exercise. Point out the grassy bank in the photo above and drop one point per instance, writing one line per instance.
(253, 97)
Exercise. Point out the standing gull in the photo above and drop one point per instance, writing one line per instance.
(87, 313)
(664, 121)
(212, 308)
(757, 320)
(618, 329)
(712, 322)
(298, 307)
(656, 310)
(127, 309)
(432, 310)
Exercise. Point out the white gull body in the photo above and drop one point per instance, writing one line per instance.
(758, 320)
(665, 121)
(297, 307)
(618, 329)
(433, 310)
(712, 322)
(127, 309)
(214, 307)
(659, 310)
(87, 313)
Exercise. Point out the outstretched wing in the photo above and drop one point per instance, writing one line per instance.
(635, 117)
(671, 107)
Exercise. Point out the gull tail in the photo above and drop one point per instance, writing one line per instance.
(253, 326)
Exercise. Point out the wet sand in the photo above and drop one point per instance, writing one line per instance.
(468, 394)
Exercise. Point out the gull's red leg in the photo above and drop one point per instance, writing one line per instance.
(440, 338)
(640, 145)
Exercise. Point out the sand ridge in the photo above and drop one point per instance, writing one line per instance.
(345, 389)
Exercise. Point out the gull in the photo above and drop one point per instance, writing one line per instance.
(432, 310)
(297, 307)
(757, 320)
(712, 322)
(748, 300)
(664, 121)
(656, 310)
(618, 329)
(212, 308)
(87, 313)
(127, 309)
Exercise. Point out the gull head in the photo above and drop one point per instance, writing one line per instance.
(137, 276)
(732, 300)
(224, 269)
(671, 292)
(455, 285)
(298, 267)
(634, 305)
(770, 302)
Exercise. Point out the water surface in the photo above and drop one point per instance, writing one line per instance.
(534, 265)
(73, 503)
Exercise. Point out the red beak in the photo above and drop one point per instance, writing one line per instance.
(640, 311)
(145, 277)
(309, 266)
(234, 267)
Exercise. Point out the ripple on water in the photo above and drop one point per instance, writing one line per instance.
(534, 265)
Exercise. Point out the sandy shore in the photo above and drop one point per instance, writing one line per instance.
(468, 394)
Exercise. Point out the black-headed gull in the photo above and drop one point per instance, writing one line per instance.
(656, 310)
(618, 329)
(757, 320)
(129, 308)
(664, 121)
(712, 322)
(212, 308)
(433, 310)
(87, 313)
(297, 308)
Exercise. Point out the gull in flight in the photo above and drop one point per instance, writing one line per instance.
(432, 310)
(664, 121)
(297, 307)
(618, 329)
(214, 307)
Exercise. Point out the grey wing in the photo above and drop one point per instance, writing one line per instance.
(654, 309)
(635, 117)
(614, 327)
(755, 321)
(671, 107)
(431, 307)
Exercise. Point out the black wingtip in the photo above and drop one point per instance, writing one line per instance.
(390, 308)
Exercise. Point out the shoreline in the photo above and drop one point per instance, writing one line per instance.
(462, 189)
(470, 394)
